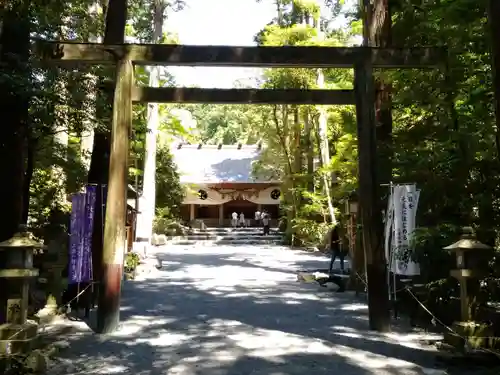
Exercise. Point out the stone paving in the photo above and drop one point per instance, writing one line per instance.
(234, 310)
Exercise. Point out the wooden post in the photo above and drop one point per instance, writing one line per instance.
(108, 313)
(369, 199)
(221, 215)
(191, 212)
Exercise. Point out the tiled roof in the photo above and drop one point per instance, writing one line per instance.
(213, 164)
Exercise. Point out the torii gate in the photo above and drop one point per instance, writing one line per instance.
(124, 56)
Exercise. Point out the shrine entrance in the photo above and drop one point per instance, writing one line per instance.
(240, 206)
(123, 57)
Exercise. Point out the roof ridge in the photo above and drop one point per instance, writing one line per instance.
(217, 147)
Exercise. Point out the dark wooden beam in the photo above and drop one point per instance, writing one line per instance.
(494, 22)
(181, 55)
(116, 209)
(369, 199)
(241, 96)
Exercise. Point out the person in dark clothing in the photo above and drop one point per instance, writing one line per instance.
(336, 249)
(266, 222)
(334, 244)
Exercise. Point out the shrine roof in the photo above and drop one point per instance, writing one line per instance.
(211, 164)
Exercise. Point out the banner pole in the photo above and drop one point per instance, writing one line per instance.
(388, 241)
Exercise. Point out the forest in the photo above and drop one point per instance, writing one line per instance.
(437, 127)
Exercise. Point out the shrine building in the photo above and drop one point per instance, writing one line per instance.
(218, 180)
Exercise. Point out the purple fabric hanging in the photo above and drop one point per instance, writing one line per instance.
(76, 231)
(88, 227)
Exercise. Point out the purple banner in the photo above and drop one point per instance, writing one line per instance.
(81, 228)
(88, 227)
(75, 245)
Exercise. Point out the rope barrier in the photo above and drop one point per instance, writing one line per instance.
(65, 305)
(435, 320)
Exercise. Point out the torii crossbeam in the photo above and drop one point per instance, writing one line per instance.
(223, 56)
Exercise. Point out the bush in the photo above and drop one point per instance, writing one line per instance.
(132, 260)
(165, 223)
(310, 232)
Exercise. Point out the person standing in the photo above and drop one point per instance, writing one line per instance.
(336, 248)
(242, 220)
(265, 222)
(234, 219)
(257, 218)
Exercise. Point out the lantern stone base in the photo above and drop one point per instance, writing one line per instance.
(472, 334)
(17, 338)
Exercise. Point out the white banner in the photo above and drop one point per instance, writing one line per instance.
(402, 213)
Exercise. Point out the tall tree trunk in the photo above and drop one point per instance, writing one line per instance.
(14, 106)
(61, 138)
(87, 135)
(380, 35)
(147, 202)
(323, 135)
(28, 176)
(298, 155)
(309, 151)
(86, 144)
(281, 131)
(371, 204)
(114, 33)
(494, 21)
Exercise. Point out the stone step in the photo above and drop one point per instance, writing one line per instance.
(252, 237)
(231, 230)
(195, 237)
(229, 237)
(225, 242)
(250, 242)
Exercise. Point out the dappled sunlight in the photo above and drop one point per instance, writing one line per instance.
(210, 313)
(166, 339)
(136, 324)
(303, 296)
(113, 370)
(354, 307)
(408, 340)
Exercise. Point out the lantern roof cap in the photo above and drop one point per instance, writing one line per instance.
(468, 241)
(21, 239)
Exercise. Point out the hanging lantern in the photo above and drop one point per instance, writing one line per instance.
(202, 194)
(275, 194)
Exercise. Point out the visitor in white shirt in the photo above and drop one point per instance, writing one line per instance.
(234, 220)
(257, 218)
(242, 220)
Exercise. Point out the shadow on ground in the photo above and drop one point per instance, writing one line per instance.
(228, 312)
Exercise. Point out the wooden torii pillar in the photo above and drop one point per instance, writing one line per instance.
(494, 22)
(362, 59)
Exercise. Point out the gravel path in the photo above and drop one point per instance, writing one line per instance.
(239, 310)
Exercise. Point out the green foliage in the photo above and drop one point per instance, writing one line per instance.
(166, 223)
(428, 250)
(226, 124)
(141, 13)
(132, 260)
(169, 191)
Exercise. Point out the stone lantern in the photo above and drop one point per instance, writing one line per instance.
(351, 210)
(16, 269)
(472, 259)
